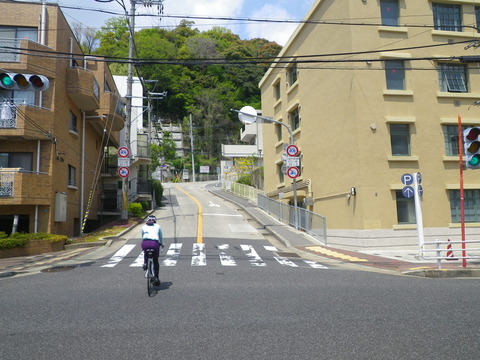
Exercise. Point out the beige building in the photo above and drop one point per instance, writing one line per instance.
(52, 142)
(372, 90)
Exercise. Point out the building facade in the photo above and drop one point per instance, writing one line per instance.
(53, 142)
(372, 90)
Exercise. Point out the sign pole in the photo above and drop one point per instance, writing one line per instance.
(462, 195)
(418, 210)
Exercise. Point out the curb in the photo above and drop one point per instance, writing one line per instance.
(444, 273)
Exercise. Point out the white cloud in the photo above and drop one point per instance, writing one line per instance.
(278, 32)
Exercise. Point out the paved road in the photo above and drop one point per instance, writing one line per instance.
(206, 309)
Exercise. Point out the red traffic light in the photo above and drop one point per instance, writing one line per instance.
(472, 133)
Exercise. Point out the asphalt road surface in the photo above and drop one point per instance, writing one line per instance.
(230, 295)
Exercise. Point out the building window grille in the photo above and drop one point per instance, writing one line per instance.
(452, 78)
(72, 176)
(447, 17)
(395, 74)
(292, 74)
(400, 139)
(294, 119)
(405, 209)
(471, 205)
(389, 11)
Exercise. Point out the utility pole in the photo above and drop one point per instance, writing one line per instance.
(191, 148)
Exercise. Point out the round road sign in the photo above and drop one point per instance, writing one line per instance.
(293, 172)
(123, 152)
(123, 171)
(292, 150)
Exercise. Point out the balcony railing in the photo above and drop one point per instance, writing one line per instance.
(21, 187)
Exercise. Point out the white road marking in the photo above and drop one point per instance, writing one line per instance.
(119, 255)
(173, 254)
(254, 259)
(225, 259)
(199, 257)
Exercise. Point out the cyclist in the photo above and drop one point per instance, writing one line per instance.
(152, 238)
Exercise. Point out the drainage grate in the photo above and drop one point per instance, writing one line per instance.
(59, 268)
(288, 254)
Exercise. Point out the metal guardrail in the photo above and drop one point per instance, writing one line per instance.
(308, 221)
(448, 253)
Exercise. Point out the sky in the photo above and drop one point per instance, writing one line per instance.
(230, 9)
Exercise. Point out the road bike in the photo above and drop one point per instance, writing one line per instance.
(150, 274)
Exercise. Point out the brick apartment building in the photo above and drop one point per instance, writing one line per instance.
(52, 142)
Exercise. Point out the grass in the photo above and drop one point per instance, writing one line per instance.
(111, 229)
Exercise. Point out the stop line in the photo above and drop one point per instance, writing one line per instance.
(199, 256)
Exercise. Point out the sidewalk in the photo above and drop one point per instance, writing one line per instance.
(404, 262)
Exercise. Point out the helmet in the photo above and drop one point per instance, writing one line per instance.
(152, 219)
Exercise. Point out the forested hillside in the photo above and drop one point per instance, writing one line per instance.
(205, 74)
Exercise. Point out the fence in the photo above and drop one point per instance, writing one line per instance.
(436, 248)
(244, 191)
(311, 223)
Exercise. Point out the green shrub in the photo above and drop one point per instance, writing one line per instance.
(3, 234)
(158, 188)
(245, 180)
(136, 209)
(145, 206)
(13, 242)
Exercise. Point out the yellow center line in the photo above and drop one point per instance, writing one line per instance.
(200, 215)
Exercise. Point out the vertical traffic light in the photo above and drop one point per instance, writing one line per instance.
(472, 147)
(13, 81)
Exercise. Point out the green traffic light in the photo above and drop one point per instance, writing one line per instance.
(6, 81)
(475, 160)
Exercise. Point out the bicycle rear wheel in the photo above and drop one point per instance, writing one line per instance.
(150, 277)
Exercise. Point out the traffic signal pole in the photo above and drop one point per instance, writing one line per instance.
(462, 197)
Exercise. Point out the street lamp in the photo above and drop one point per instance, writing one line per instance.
(248, 115)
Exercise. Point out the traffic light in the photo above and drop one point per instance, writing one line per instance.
(472, 147)
(13, 81)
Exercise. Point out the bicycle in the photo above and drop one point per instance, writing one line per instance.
(149, 274)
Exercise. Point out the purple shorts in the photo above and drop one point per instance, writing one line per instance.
(151, 244)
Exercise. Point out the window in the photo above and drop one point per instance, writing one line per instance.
(389, 10)
(10, 33)
(395, 73)
(276, 90)
(72, 122)
(400, 139)
(450, 134)
(447, 17)
(72, 176)
(477, 17)
(471, 203)
(281, 175)
(405, 209)
(292, 74)
(23, 160)
(452, 78)
(294, 119)
(20, 97)
(278, 131)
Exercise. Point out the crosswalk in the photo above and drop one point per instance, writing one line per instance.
(225, 252)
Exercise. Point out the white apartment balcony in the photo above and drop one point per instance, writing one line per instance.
(235, 151)
(249, 132)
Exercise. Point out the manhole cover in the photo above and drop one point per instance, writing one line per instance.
(59, 268)
(288, 254)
